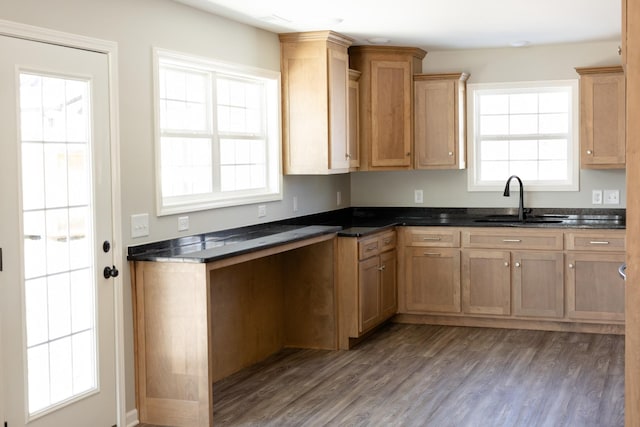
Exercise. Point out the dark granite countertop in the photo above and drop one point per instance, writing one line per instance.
(358, 222)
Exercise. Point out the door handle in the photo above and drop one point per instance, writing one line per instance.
(109, 272)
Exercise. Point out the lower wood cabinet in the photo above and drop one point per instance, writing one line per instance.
(486, 282)
(594, 289)
(563, 279)
(537, 280)
(366, 277)
(432, 280)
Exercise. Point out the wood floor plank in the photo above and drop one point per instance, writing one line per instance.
(421, 375)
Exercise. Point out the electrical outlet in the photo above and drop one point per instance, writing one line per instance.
(295, 203)
(139, 225)
(338, 198)
(611, 197)
(262, 211)
(418, 196)
(596, 197)
(183, 223)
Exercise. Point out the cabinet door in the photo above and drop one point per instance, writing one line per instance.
(388, 285)
(391, 88)
(538, 284)
(432, 280)
(435, 124)
(369, 295)
(595, 291)
(602, 118)
(338, 64)
(486, 279)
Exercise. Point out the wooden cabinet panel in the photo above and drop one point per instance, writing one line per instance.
(538, 284)
(432, 280)
(369, 292)
(386, 104)
(315, 84)
(600, 241)
(439, 121)
(388, 284)
(486, 282)
(512, 239)
(602, 117)
(354, 120)
(595, 291)
(390, 111)
(433, 237)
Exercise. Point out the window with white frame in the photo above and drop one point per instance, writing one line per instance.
(217, 134)
(529, 129)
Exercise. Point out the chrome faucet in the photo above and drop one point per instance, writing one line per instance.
(521, 210)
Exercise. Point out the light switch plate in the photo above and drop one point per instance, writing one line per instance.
(139, 225)
(611, 197)
(262, 211)
(183, 223)
(596, 197)
(418, 196)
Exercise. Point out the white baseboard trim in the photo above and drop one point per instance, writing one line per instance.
(132, 418)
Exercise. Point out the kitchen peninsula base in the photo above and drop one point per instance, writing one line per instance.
(196, 323)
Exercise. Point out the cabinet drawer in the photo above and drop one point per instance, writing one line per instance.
(601, 241)
(433, 237)
(376, 244)
(512, 239)
(387, 241)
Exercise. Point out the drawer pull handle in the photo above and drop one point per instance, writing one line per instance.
(431, 238)
(371, 248)
(387, 241)
(512, 240)
(598, 242)
(432, 254)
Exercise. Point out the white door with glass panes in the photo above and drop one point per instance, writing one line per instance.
(57, 336)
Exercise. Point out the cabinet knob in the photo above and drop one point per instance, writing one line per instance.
(517, 264)
(571, 266)
(347, 156)
(506, 264)
(589, 152)
(381, 268)
(450, 153)
(409, 153)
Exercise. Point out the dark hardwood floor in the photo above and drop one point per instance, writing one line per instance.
(418, 375)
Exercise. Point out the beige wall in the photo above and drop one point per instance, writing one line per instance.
(449, 188)
(137, 26)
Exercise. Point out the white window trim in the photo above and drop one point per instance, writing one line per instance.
(274, 150)
(573, 159)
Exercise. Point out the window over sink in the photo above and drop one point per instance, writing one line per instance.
(217, 133)
(529, 129)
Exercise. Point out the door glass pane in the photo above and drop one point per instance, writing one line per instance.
(57, 212)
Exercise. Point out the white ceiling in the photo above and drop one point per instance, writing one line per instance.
(433, 24)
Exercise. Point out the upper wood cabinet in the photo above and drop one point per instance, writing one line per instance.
(386, 104)
(353, 149)
(602, 117)
(439, 121)
(315, 84)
